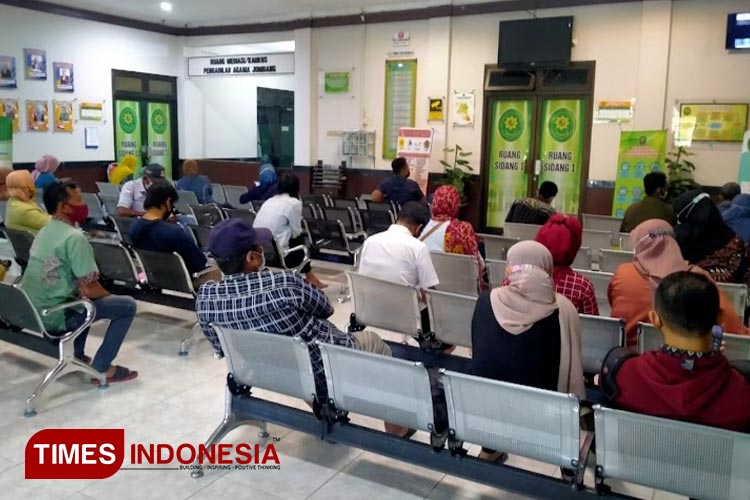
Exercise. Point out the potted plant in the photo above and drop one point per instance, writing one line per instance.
(680, 173)
(457, 174)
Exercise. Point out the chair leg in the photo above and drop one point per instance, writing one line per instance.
(229, 422)
(186, 340)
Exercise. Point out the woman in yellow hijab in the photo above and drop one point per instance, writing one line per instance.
(120, 173)
(23, 213)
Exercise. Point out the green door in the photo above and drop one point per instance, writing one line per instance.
(144, 129)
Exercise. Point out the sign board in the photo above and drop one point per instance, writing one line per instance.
(743, 177)
(435, 112)
(401, 39)
(255, 64)
(641, 152)
(415, 144)
(713, 122)
(614, 111)
(6, 142)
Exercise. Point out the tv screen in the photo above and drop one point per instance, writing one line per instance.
(535, 42)
(738, 31)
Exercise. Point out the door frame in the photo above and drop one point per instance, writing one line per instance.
(536, 95)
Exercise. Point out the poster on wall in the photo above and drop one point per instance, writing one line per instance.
(641, 152)
(510, 144)
(63, 73)
(336, 82)
(159, 132)
(743, 176)
(37, 116)
(415, 144)
(11, 109)
(35, 62)
(714, 122)
(400, 101)
(91, 111)
(63, 114)
(435, 110)
(614, 111)
(561, 150)
(128, 132)
(6, 142)
(463, 109)
(8, 72)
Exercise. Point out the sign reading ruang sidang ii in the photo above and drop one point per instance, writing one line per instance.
(235, 65)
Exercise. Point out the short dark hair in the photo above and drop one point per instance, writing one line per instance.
(56, 193)
(729, 190)
(234, 264)
(289, 184)
(398, 164)
(548, 189)
(653, 181)
(414, 213)
(158, 194)
(688, 303)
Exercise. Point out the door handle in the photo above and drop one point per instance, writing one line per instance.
(537, 167)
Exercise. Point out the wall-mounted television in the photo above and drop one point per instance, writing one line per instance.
(535, 42)
(738, 31)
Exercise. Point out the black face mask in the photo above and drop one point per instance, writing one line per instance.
(168, 213)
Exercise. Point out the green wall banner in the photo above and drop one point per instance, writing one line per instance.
(128, 132)
(510, 144)
(160, 136)
(6, 142)
(743, 177)
(641, 152)
(400, 99)
(561, 150)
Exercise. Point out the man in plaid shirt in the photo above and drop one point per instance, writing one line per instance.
(253, 298)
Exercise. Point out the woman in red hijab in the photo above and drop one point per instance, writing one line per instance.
(445, 233)
(562, 234)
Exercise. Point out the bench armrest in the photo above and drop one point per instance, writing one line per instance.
(90, 316)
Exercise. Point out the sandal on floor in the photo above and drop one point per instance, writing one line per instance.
(84, 359)
(408, 434)
(121, 374)
(496, 456)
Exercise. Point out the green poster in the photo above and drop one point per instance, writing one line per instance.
(128, 132)
(160, 136)
(336, 83)
(561, 151)
(400, 99)
(510, 142)
(6, 142)
(641, 152)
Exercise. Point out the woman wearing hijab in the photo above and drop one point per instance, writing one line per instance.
(657, 255)
(123, 172)
(198, 184)
(445, 233)
(44, 171)
(265, 187)
(737, 216)
(23, 213)
(562, 235)
(4, 171)
(706, 241)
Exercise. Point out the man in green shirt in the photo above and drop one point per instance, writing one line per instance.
(62, 268)
(652, 206)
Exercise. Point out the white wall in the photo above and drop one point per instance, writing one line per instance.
(94, 49)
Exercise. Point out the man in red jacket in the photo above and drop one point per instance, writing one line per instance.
(687, 378)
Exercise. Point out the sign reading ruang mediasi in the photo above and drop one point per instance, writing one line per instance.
(255, 64)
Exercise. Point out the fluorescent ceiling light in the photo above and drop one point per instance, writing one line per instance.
(166, 6)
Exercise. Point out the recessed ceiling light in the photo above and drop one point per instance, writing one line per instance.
(166, 6)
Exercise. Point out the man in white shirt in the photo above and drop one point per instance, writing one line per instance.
(133, 192)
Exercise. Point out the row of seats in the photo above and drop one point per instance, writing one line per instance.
(533, 423)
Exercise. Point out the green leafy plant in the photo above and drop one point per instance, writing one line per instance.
(680, 173)
(457, 174)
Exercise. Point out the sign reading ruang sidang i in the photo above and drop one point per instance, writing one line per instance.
(235, 65)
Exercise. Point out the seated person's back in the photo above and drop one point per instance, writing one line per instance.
(652, 206)
(534, 210)
(398, 188)
(687, 378)
(198, 184)
(152, 231)
(397, 255)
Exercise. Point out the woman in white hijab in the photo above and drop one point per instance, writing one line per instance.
(525, 333)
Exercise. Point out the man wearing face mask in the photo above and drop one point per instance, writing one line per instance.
(153, 232)
(133, 193)
(399, 256)
(62, 269)
(652, 206)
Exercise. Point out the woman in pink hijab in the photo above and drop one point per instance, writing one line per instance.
(44, 171)
(657, 255)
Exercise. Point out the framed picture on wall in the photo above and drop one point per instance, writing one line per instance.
(63, 73)
(8, 72)
(10, 109)
(712, 122)
(63, 113)
(35, 61)
(37, 116)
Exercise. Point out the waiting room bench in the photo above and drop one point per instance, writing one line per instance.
(651, 339)
(21, 325)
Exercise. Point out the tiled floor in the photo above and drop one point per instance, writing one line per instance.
(180, 399)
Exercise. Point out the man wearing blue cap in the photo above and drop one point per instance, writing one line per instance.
(251, 297)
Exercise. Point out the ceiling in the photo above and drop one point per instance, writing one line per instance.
(221, 12)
